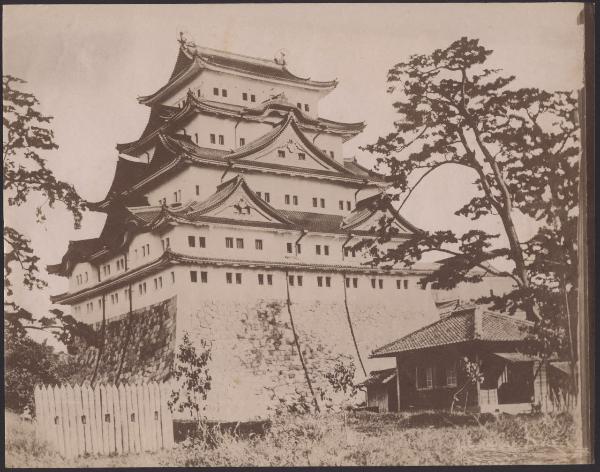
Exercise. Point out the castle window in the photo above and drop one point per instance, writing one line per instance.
(252, 98)
(221, 139)
(331, 154)
(347, 282)
(326, 250)
(289, 248)
(373, 283)
(229, 243)
(216, 91)
(258, 244)
(319, 281)
(244, 96)
(198, 93)
(261, 279)
(306, 107)
(291, 280)
(299, 277)
(295, 199)
(238, 278)
(196, 137)
(172, 277)
(406, 284)
(159, 284)
(269, 279)
(259, 194)
(380, 283)
(299, 105)
(197, 189)
(341, 204)
(267, 197)
(298, 248)
(287, 199)
(327, 281)
(346, 252)
(201, 241)
(155, 280)
(318, 249)
(398, 284)
(242, 141)
(224, 92)
(193, 276)
(348, 205)
(204, 277)
(229, 277)
(213, 138)
(301, 156)
(280, 153)
(322, 203)
(191, 241)
(424, 378)
(355, 282)
(239, 242)
(315, 202)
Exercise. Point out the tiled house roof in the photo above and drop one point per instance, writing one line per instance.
(462, 326)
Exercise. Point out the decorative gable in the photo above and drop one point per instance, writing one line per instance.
(365, 220)
(240, 206)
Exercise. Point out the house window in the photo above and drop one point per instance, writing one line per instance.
(289, 248)
(224, 92)
(242, 141)
(193, 276)
(299, 278)
(221, 139)
(244, 96)
(229, 277)
(287, 199)
(280, 153)
(424, 378)
(267, 197)
(261, 279)
(216, 91)
(202, 241)
(197, 189)
(301, 156)
(191, 241)
(269, 279)
(373, 282)
(326, 250)
(295, 199)
(239, 242)
(341, 204)
(252, 98)
(319, 281)
(291, 280)
(212, 138)
(322, 203)
(406, 284)
(327, 281)
(238, 278)
(355, 282)
(380, 283)
(315, 202)
(258, 244)
(318, 249)
(451, 376)
(229, 243)
(306, 107)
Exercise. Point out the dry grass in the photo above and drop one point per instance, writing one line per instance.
(329, 440)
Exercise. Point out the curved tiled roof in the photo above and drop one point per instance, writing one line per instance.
(462, 326)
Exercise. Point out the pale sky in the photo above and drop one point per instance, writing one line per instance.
(87, 65)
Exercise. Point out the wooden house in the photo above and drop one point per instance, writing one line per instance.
(430, 367)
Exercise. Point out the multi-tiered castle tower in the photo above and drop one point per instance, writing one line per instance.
(236, 199)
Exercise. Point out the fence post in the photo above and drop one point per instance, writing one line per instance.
(165, 415)
(124, 418)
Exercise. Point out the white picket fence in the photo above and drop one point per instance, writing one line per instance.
(105, 419)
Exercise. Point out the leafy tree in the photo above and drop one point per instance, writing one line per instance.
(194, 376)
(27, 363)
(26, 140)
(522, 147)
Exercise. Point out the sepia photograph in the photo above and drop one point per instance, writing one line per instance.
(284, 235)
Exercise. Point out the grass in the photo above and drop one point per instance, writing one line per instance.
(358, 439)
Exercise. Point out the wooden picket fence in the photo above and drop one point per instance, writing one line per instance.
(105, 419)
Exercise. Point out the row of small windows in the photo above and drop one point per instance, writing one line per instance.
(281, 153)
(348, 205)
(213, 139)
(306, 107)
(223, 93)
(81, 278)
(316, 201)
